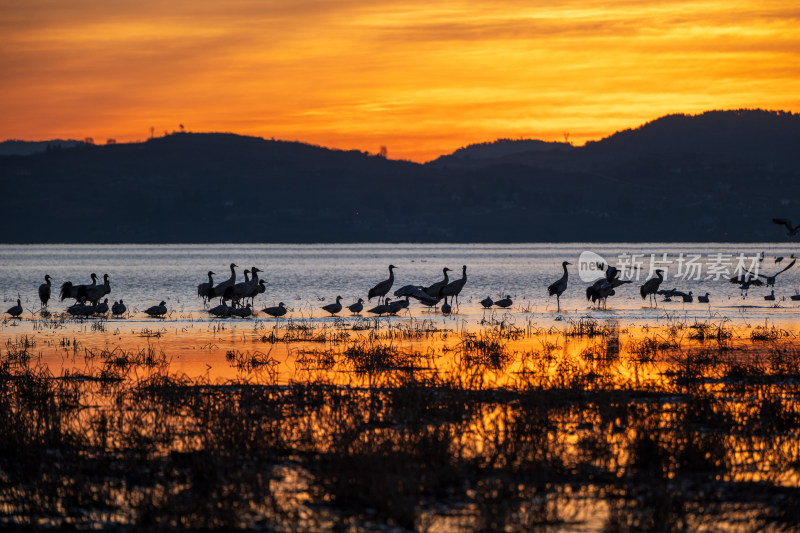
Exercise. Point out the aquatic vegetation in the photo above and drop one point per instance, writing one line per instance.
(407, 424)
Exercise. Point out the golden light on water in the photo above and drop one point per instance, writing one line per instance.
(422, 79)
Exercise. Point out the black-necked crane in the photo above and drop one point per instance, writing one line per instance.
(559, 286)
(204, 288)
(219, 290)
(435, 290)
(418, 293)
(668, 293)
(44, 290)
(76, 292)
(334, 307)
(453, 289)
(770, 297)
(770, 280)
(650, 287)
(16, 310)
(791, 230)
(94, 292)
(382, 289)
(703, 299)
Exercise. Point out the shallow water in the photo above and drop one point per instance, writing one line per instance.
(487, 417)
(307, 277)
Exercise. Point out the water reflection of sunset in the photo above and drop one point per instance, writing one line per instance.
(585, 423)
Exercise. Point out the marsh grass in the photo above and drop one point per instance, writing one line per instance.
(767, 333)
(586, 327)
(571, 444)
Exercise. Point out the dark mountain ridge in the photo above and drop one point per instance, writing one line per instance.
(719, 176)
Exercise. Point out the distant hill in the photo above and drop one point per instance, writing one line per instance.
(34, 147)
(719, 176)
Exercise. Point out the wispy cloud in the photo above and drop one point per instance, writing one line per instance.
(422, 77)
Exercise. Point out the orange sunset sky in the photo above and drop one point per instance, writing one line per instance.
(422, 78)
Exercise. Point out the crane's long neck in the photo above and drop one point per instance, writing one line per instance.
(566, 273)
(391, 275)
(210, 279)
(233, 274)
(446, 279)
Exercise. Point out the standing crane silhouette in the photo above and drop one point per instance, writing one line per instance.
(559, 286)
(382, 289)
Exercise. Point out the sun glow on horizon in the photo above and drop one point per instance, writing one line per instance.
(422, 79)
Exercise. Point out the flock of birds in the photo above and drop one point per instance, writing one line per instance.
(236, 299)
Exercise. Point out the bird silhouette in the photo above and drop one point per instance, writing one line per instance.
(435, 290)
(382, 289)
(276, 311)
(118, 309)
(44, 290)
(221, 288)
(453, 289)
(157, 311)
(791, 230)
(16, 310)
(381, 309)
(357, 307)
(771, 279)
(504, 302)
(650, 287)
(204, 288)
(333, 308)
(559, 286)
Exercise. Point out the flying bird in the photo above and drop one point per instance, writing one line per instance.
(791, 231)
(771, 279)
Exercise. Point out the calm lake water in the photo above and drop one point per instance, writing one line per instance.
(307, 276)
